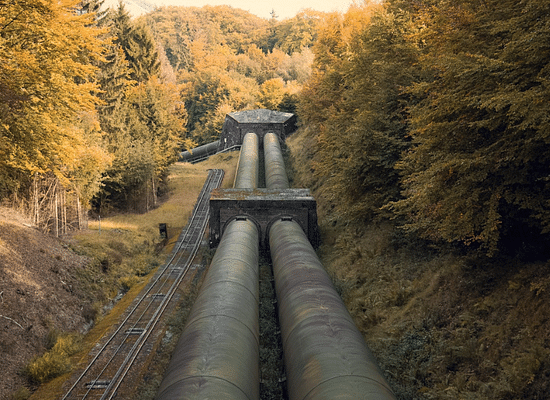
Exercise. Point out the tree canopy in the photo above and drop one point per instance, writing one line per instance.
(104, 103)
(434, 114)
(47, 56)
(478, 171)
(431, 113)
(230, 60)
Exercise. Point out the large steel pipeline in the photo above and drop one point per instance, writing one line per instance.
(248, 164)
(200, 152)
(325, 354)
(217, 355)
(275, 172)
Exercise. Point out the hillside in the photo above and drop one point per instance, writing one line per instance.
(443, 324)
(52, 287)
(39, 293)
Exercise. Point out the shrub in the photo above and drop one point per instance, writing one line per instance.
(22, 394)
(55, 361)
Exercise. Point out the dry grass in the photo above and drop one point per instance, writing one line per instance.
(56, 361)
(52, 390)
(185, 182)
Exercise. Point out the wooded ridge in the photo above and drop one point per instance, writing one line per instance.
(425, 122)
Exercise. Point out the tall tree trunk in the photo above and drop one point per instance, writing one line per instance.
(78, 211)
(56, 213)
(64, 212)
(154, 191)
(34, 200)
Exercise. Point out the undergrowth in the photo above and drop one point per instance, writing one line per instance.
(124, 251)
(272, 385)
(56, 360)
(443, 323)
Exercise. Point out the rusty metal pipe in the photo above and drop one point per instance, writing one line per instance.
(199, 153)
(325, 354)
(275, 171)
(217, 355)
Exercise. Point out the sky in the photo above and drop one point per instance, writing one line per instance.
(262, 8)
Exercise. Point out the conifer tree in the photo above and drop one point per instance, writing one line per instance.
(140, 115)
(138, 45)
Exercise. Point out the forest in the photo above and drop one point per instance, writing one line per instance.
(424, 136)
(95, 105)
(434, 114)
(431, 114)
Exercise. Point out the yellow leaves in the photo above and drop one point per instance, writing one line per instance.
(271, 94)
(44, 48)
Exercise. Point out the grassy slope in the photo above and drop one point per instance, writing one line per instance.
(124, 257)
(443, 326)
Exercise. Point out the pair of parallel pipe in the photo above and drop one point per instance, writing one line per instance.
(217, 355)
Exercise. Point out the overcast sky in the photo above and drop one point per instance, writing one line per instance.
(262, 8)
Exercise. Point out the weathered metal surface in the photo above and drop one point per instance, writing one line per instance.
(217, 356)
(118, 362)
(261, 121)
(275, 171)
(325, 355)
(262, 206)
(200, 153)
(247, 169)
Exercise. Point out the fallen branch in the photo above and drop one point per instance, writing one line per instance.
(12, 320)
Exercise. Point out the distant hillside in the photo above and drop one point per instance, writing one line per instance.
(134, 7)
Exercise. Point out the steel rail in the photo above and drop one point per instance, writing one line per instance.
(136, 348)
(190, 231)
(196, 224)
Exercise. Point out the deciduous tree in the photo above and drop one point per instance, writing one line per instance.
(478, 172)
(355, 101)
(48, 54)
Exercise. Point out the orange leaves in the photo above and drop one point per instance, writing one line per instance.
(47, 80)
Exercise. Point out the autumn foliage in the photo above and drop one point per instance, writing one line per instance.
(434, 114)
(95, 105)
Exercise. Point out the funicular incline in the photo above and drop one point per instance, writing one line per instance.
(116, 364)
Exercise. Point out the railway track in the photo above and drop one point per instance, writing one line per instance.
(112, 364)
